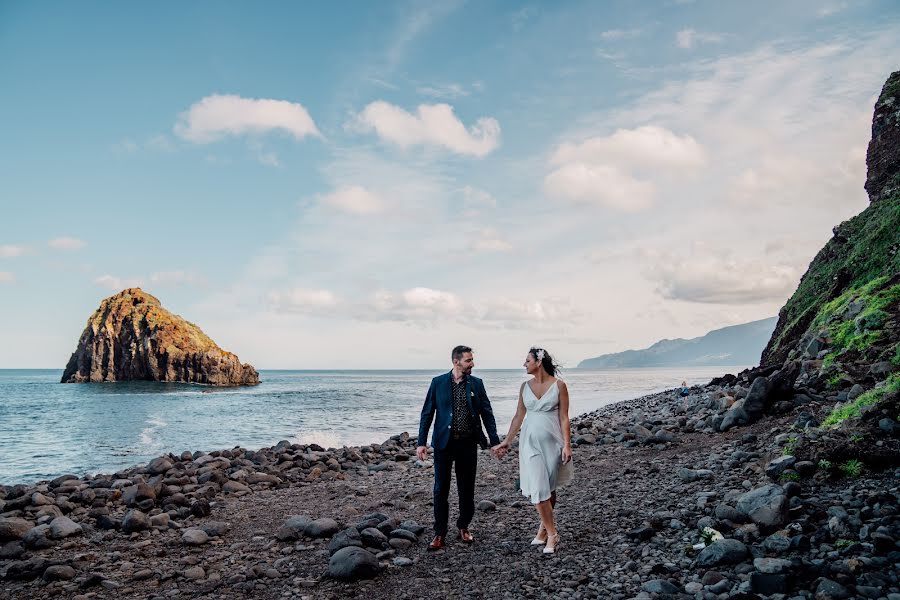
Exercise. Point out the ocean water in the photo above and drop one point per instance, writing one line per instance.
(49, 429)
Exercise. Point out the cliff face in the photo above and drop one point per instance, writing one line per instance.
(843, 318)
(132, 337)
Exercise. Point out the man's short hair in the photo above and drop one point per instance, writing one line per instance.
(459, 351)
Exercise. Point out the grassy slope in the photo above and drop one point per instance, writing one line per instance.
(863, 249)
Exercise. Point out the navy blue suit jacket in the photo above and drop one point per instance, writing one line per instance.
(439, 402)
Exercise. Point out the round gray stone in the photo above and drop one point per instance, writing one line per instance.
(59, 573)
(722, 552)
(293, 528)
(321, 528)
(63, 527)
(766, 506)
(135, 520)
(352, 563)
(194, 537)
(659, 586)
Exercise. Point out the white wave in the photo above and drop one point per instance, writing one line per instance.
(326, 439)
(147, 436)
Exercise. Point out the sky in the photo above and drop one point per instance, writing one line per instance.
(368, 184)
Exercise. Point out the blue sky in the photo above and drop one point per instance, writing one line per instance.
(369, 184)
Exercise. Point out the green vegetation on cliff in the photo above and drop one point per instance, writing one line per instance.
(858, 330)
(852, 410)
(852, 263)
(860, 260)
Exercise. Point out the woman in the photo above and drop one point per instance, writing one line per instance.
(545, 450)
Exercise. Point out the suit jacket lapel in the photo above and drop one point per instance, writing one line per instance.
(469, 395)
(448, 389)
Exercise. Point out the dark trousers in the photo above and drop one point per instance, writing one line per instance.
(463, 453)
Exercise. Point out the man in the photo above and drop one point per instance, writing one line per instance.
(461, 405)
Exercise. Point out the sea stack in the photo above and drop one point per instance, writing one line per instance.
(131, 337)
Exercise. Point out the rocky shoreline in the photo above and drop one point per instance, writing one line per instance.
(651, 473)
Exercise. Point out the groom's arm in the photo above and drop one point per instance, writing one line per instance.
(487, 417)
(427, 416)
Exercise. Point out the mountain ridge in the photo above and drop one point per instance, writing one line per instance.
(732, 345)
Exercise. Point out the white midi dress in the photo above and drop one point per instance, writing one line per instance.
(540, 446)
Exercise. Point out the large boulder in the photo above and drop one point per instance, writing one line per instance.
(13, 528)
(344, 539)
(38, 537)
(160, 465)
(135, 520)
(722, 552)
(63, 527)
(132, 337)
(353, 563)
(756, 401)
(734, 416)
(766, 506)
(778, 466)
(293, 528)
(141, 495)
(321, 528)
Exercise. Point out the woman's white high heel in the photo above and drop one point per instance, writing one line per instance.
(551, 549)
(537, 541)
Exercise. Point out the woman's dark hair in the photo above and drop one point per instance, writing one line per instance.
(458, 352)
(551, 367)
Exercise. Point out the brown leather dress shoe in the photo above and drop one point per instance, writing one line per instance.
(437, 543)
(466, 536)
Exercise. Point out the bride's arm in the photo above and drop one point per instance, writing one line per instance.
(564, 425)
(516, 422)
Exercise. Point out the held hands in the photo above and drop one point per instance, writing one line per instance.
(500, 450)
(422, 453)
(566, 454)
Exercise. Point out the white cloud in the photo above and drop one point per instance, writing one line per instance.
(111, 282)
(475, 201)
(11, 251)
(126, 145)
(649, 146)
(216, 116)
(7, 277)
(433, 124)
(832, 8)
(263, 156)
(603, 185)
(715, 276)
(786, 128)
(66, 243)
(303, 301)
(537, 314)
(688, 38)
(159, 142)
(615, 57)
(490, 240)
(620, 34)
(426, 307)
(417, 304)
(475, 197)
(616, 171)
(355, 200)
(447, 91)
